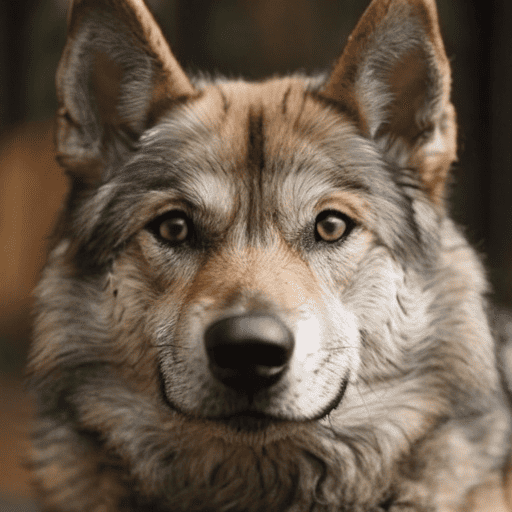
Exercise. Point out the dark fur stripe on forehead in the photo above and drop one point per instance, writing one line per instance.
(255, 166)
(255, 141)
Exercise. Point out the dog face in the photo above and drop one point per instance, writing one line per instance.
(261, 274)
(259, 203)
(267, 225)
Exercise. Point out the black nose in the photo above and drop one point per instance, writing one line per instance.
(248, 352)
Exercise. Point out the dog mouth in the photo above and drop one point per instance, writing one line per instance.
(258, 421)
(252, 418)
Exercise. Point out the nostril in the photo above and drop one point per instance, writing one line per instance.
(248, 351)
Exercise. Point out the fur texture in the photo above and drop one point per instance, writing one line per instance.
(313, 205)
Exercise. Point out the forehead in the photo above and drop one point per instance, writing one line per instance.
(276, 136)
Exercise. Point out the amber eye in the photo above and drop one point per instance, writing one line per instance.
(332, 226)
(173, 227)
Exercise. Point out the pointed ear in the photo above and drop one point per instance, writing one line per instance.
(116, 76)
(395, 76)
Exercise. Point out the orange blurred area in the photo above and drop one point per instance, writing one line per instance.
(32, 186)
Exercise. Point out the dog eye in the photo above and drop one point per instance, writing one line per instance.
(332, 226)
(173, 227)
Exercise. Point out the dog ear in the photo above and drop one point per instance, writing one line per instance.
(395, 76)
(117, 75)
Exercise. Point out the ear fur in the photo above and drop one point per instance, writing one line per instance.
(116, 76)
(394, 74)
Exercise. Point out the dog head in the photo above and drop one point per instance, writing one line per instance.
(264, 244)
(258, 266)
(254, 235)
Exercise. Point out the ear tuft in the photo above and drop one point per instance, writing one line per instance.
(395, 75)
(116, 77)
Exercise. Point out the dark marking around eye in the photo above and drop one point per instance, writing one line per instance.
(255, 143)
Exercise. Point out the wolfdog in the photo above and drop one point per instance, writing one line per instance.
(255, 299)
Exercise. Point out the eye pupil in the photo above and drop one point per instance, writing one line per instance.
(331, 226)
(174, 229)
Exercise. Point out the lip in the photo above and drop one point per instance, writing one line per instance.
(336, 401)
(246, 420)
(243, 421)
(252, 420)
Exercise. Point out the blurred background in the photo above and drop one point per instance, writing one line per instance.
(251, 38)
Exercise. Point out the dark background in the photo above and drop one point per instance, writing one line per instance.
(251, 38)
